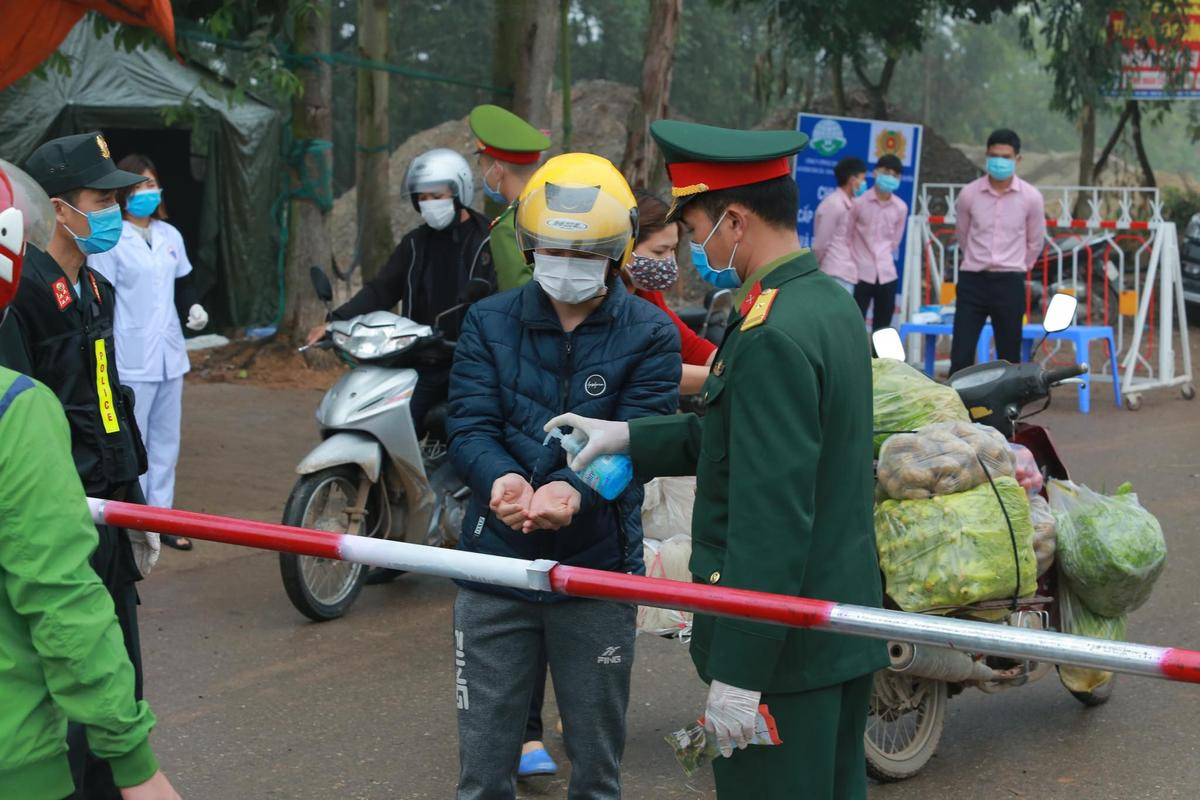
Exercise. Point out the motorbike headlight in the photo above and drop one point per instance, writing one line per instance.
(976, 379)
(376, 342)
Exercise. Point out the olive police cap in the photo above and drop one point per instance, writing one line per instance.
(74, 162)
(505, 136)
(704, 158)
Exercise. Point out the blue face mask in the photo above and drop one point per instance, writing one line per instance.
(1001, 168)
(143, 203)
(887, 183)
(725, 278)
(105, 228)
(492, 194)
(862, 188)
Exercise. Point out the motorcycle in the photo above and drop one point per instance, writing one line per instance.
(908, 704)
(370, 475)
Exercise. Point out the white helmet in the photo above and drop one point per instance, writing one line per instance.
(434, 170)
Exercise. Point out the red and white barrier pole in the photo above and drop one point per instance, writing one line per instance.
(1170, 663)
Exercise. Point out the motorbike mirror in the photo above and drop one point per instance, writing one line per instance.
(721, 300)
(1060, 314)
(887, 344)
(320, 282)
(477, 289)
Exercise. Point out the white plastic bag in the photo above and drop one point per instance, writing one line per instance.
(667, 508)
(1045, 539)
(668, 560)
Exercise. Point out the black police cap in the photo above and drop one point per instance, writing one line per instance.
(74, 162)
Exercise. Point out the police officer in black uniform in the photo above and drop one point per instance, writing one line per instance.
(60, 331)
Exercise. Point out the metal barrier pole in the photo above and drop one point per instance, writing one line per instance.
(1173, 664)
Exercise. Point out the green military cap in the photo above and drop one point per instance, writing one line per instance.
(505, 136)
(704, 158)
(77, 162)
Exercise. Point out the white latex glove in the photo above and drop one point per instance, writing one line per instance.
(197, 317)
(604, 437)
(146, 547)
(730, 716)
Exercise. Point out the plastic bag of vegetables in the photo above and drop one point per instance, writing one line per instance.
(942, 458)
(1078, 619)
(956, 549)
(1111, 549)
(1028, 473)
(906, 400)
(1044, 533)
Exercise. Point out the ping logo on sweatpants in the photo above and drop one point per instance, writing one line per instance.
(609, 656)
(479, 526)
(460, 683)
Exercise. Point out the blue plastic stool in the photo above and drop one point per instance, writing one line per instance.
(1082, 336)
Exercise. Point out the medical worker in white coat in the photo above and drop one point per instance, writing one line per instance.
(150, 269)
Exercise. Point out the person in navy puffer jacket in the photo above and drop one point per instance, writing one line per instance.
(570, 340)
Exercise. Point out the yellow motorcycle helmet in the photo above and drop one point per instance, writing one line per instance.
(578, 202)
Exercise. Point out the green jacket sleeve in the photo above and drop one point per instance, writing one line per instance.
(662, 446)
(45, 542)
(511, 269)
(774, 451)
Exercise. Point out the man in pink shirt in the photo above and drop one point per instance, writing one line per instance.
(876, 226)
(1001, 226)
(831, 244)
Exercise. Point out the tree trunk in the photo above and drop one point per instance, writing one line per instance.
(838, 76)
(510, 27)
(639, 160)
(564, 69)
(309, 177)
(877, 91)
(1139, 146)
(1087, 151)
(535, 60)
(371, 185)
(1112, 142)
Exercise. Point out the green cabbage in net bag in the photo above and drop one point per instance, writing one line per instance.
(1111, 549)
(1079, 620)
(905, 400)
(956, 549)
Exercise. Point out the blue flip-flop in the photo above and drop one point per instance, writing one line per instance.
(536, 762)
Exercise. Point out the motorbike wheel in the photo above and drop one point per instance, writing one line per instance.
(1096, 697)
(320, 588)
(904, 724)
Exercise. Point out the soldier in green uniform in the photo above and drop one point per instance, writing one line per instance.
(509, 151)
(782, 459)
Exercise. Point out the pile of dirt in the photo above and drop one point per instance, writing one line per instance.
(599, 114)
(264, 363)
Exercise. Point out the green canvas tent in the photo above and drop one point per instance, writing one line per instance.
(221, 167)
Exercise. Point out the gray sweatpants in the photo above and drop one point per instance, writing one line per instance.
(497, 645)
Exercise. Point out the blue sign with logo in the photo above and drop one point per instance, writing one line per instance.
(830, 139)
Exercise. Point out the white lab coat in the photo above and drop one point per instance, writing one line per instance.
(149, 338)
(151, 357)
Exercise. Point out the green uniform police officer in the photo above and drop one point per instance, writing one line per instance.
(782, 459)
(509, 151)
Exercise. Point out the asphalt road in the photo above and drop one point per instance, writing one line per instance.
(255, 702)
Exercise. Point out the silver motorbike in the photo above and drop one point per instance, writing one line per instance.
(371, 475)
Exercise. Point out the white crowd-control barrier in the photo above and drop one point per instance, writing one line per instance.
(1122, 262)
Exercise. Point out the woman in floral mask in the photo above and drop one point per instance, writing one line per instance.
(652, 270)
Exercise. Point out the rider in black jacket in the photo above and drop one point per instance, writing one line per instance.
(429, 271)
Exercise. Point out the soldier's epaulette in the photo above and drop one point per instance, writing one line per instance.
(758, 312)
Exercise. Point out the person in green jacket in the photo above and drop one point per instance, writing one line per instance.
(509, 151)
(62, 653)
(783, 465)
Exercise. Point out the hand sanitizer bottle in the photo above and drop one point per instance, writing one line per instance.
(608, 474)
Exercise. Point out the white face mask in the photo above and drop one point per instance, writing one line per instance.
(570, 279)
(438, 214)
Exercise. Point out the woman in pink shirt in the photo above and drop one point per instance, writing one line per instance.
(876, 227)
